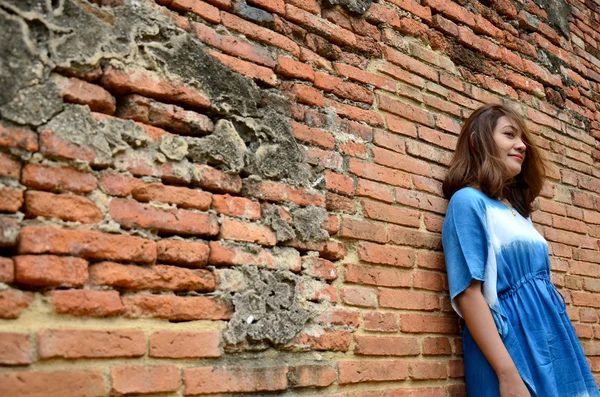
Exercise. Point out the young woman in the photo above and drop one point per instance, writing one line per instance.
(518, 340)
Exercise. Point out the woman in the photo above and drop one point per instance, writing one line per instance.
(518, 340)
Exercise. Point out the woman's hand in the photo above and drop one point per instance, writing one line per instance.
(511, 385)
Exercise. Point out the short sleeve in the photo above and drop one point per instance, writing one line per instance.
(465, 240)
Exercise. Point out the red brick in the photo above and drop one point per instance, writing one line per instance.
(20, 138)
(134, 379)
(406, 110)
(13, 302)
(67, 207)
(71, 383)
(180, 196)
(236, 206)
(174, 118)
(228, 254)
(367, 345)
(343, 89)
(319, 268)
(200, 8)
(11, 200)
(277, 6)
(210, 380)
(379, 173)
(176, 308)
(172, 344)
(380, 321)
(331, 224)
(331, 32)
(363, 230)
(50, 270)
(333, 250)
(428, 323)
(216, 181)
(323, 340)
(429, 280)
(386, 254)
(57, 179)
(307, 95)
(436, 346)
(85, 243)
(131, 214)
(392, 214)
(86, 302)
(259, 33)
(7, 270)
(234, 46)
(259, 73)
(323, 158)
(278, 192)
(365, 77)
(312, 375)
(375, 190)
(428, 370)
(148, 83)
(313, 136)
(335, 202)
(9, 166)
(15, 349)
(232, 229)
(183, 253)
(359, 296)
(355, 113)
(81, 92)
(384, 277)
(53, 145)
(391, 141)
(158, 277)
(414, 238)
(339, 183)
(81, 343)
(371, 371)
(339, 316)
(408, 300)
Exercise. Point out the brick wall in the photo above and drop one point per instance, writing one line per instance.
(223, 196)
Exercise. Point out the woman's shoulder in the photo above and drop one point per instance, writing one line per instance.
(469, 197)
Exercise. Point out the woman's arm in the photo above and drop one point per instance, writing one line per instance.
(482, 327)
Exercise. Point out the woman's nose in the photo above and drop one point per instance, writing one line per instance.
(520, 145)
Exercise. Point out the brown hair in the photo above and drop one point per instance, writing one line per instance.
(476, 161)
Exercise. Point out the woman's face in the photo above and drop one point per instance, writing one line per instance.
(511, 148)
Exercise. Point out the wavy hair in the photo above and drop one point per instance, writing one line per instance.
(476, 161)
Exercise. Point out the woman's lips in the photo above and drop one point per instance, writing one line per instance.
(517, 156)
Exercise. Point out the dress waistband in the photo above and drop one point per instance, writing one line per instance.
(555, 294)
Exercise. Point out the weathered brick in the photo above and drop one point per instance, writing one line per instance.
(13, 302)
(363, 230)
(183, 253)
(367, 345)
(131, 214)
(388, 213)
(50, 270)
(359, 296)
(436, 346)
(67, 207)
(20, 138)
(339, 316)
(312, 375)
(9, 231)
(83, 343)
(379, 173)
(40, 177)
(325, 340)
(386, 254)
(158, 277)
(371, 371)
(85, 243)
(236, 206)
(260, 73)
(319, 268)
(380, 321)
(233, 229)
(71, 383)
(277, 192)
(174, 344)
(428, 370)
(134, 379)
(210, 380)
(11, 200)
(180, 196)
(7, 270)
(74, 90)
(85, 302)
(15, 349)
(313, 136)
(429, 323)
(178, 308)
(148, 83)
(222, 253)
(216, 181)
(9, 166)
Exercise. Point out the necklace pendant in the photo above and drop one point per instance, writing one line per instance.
(513, 212)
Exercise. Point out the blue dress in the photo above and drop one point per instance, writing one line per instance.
(484, 241)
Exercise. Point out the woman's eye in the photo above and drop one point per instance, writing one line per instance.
(509, 134)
